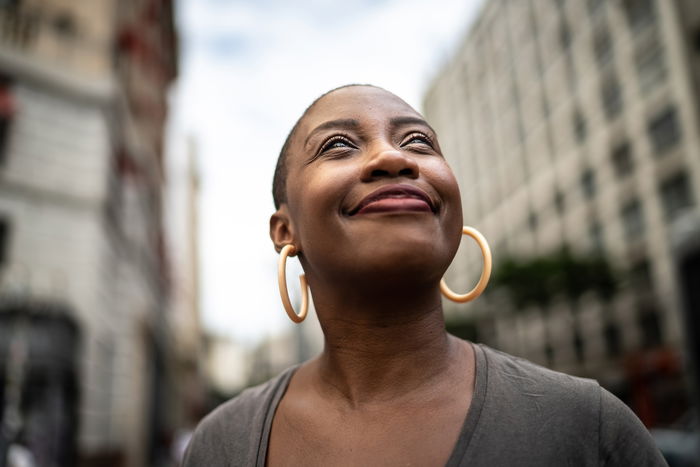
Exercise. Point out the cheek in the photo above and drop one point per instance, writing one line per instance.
(315, 207)
(440, 176)
(317, 199)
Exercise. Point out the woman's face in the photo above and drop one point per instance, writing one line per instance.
(369, 194)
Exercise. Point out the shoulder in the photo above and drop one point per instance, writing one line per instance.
(624, 440)
(234, 429)
(536, 405)
(564, 415)
(514, 374)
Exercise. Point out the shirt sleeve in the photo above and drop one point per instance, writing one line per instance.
(624, 440)
(206, 447)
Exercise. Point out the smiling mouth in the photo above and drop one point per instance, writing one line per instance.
(395, 198)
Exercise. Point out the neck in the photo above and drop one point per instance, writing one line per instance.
(373, 341)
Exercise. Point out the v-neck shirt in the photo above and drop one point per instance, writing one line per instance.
(520, 414)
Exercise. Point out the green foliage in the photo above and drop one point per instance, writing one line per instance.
(463, 329)
(536, 281)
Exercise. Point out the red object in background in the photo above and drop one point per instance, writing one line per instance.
(8, 106)
(126, 165)
(131, 42)
(657, 390)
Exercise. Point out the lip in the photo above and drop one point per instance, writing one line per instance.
(392, 198)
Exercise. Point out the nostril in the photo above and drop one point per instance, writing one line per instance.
(406, 171)
(379, 173)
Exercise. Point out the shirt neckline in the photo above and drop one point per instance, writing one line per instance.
(471, 420)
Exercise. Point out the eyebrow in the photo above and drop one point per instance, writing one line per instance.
(340, 123)
(403, 121)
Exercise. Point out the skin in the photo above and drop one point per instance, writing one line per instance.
(391, 387)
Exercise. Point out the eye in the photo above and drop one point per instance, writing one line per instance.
(417, 139)
(336, 142)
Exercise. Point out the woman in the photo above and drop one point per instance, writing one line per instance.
(368, 203)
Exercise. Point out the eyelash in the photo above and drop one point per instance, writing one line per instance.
(326, 146)
(416, 135)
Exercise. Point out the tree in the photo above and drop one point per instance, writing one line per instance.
(537, 281)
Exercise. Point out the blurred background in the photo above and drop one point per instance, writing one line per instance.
(137, 144)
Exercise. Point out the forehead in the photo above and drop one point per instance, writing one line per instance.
(363, 103)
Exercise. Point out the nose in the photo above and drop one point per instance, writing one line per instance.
(389, 162)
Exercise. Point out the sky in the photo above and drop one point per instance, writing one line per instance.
(248, 69)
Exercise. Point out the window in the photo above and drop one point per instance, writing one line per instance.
(571, 74)
(632, 219)
(676, 195)
(549, 354)
(650, 64)
(559, 201)
(622, 161)
(588, 183)
(611, 95)
(640, 275)
(20, 22)
(595, 232)
(7, 110)
(613, 339)
(545, 107)
(564, 35)
(579, 345)
(64, 24)
(10, 4)
(639, 13)
(664, 131)
(532, 221)
(650, 323)
(580, 129)
(4, 133)
(594, 6)
(602, 45)
(515, 96)
(4, 238)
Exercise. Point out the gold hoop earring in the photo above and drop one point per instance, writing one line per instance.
(284, 294)
(485, 273)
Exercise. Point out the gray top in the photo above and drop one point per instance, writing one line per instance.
(521, 414)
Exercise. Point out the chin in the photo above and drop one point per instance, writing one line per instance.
(397, 252)
(406, 259)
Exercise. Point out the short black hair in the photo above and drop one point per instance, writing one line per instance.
(279, 180)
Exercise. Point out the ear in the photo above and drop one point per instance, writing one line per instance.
(281, 230)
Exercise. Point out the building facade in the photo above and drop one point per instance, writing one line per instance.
(182, 226)
(82, 108)
(575, 124)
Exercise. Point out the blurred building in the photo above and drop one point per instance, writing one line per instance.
(277, 352)
(575, 123)
(182, 226)
(228, 368)
(84, 355)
